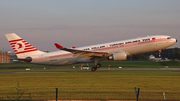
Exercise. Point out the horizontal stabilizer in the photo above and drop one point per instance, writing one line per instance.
(27, 59)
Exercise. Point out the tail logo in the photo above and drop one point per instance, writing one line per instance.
(21, 46)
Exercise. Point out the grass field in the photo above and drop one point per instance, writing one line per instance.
(90, 85)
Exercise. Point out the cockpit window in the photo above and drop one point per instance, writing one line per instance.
(168, 37)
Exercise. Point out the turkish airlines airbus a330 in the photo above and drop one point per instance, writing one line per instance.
(118, 50)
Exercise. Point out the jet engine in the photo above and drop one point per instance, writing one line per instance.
(118, 56)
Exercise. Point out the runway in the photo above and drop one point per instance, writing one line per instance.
(175, 70)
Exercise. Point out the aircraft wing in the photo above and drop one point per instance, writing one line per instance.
(83, 53)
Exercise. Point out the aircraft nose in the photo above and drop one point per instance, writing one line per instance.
(176, 40)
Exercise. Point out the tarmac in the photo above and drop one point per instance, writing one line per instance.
(175, 70)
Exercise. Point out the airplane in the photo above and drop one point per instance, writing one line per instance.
(116, 51)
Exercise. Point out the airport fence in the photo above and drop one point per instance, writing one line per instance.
(84, 94)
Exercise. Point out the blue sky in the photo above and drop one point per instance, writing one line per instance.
(86, 22)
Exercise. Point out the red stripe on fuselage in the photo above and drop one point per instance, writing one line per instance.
(130, 44)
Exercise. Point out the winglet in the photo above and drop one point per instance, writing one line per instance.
(73, 47)
(58, 46)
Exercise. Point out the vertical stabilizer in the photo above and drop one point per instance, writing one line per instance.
(21, 47)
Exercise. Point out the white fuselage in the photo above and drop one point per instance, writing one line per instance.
(131, 46)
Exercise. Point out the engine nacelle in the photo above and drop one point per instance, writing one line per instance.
(118, 56)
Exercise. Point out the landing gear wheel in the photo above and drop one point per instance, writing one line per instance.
(93, 69)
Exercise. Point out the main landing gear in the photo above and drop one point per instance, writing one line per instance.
(159, 53)
(98, 65)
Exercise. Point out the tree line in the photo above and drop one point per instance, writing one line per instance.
(170, 53)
